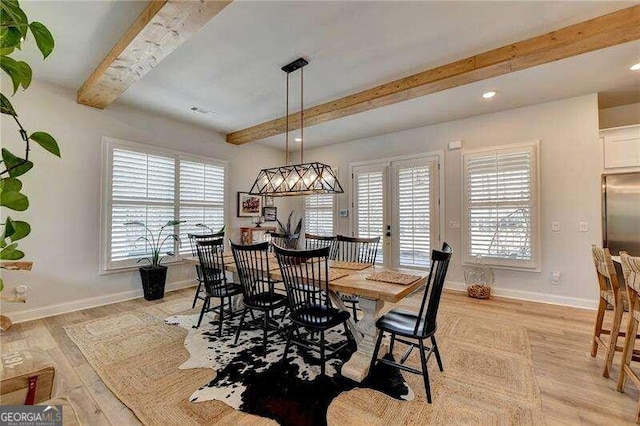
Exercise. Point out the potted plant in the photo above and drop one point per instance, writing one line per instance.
(290, 235)
(154, 275)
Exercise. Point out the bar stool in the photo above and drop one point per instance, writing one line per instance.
(610, 293)
(631, 272)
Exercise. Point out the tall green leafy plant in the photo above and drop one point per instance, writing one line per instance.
(15, 30)
(288, 230)
(156, 242)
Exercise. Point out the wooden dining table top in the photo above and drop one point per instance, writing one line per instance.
(350, 281)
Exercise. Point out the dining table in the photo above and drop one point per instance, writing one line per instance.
(351, 278)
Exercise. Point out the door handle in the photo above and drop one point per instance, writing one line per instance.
(388, 230)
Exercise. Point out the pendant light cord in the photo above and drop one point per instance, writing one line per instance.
(286, 149)
(302, 115)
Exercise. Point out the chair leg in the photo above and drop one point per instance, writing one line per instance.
(322, 360)
(602, 307)
(221, 317)
(244, 312)
(425, 371)
(393, 341)
(355, 311)
(630, 340)
(195, 298)
(374, 358)
(613, 337)
(288, 344)
(436, 351)
(205, 305)
(264, 331)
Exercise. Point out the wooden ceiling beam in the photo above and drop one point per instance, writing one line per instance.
(598, 33)
(161, 27)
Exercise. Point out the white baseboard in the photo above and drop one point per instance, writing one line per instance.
(552, 299)
(90, 302)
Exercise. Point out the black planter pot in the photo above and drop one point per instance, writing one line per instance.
(153, 280)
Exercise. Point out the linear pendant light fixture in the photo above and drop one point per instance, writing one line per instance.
(296, 179)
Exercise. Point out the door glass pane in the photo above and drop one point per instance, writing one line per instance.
(414, 215)
(370, 207)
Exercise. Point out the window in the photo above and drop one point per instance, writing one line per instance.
(501, 206)
(416, 211)
(318, 214)
(369, 204)
(146, 184)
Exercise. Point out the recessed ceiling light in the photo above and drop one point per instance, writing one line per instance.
(298, 139)
(489, 95)
(635, 67)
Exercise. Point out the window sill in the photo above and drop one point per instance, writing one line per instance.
(535, 269)
(122, 269)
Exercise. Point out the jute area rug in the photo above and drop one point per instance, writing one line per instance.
(488, 377)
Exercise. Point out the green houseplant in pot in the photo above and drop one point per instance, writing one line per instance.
(289, 234)
(154, 275)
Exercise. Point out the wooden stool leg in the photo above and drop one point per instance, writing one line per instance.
(602, 307)
(629, 343)
(613, 341)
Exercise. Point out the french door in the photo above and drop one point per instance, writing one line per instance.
(398, 200)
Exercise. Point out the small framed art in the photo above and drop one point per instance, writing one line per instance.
(270, 214)
(249, 205)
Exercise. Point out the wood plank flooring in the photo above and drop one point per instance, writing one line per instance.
(572, 387)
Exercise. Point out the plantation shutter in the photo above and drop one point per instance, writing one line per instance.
(201, 198)
(318, 214)
(142, 189)
(501, 206)
(414, 209)
(369, 206)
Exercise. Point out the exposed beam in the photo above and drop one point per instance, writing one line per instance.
(598, 33)
(161, 27)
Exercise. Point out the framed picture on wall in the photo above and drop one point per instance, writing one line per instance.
(268, 201)
(249, 205)
(270, 214)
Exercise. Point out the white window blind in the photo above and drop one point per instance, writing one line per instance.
(414, 209)
(154, 186)
(318, 214)
(501, 206)
(201, 198)
(142, 190)
(369, 187)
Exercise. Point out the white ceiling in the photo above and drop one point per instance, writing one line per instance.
(232, 65)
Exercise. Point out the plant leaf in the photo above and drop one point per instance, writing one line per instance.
(6, 107)
(10, 37)
(10, 253)
(46, 141)
(43, 37)
(10, 184)
(135, 222)
(17, 165)
(22, 230)
(11, 15)
(1, 284)
(173, 223)
(26, 74)
(14, 200)
(9, 227)
(11, 67)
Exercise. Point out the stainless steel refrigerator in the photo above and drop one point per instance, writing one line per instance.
(621, 212)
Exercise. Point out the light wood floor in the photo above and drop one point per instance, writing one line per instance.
(572, 388)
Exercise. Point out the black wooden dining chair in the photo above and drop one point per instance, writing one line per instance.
(210, 253)
(252, 264)
(305, 274)
(417, 326)
(312, 241)
(284, 240)
(193, 240)
(354, 249)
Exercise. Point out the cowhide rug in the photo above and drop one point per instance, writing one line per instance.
(255, 382)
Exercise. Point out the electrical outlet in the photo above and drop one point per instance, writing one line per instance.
(584, 226)
(555, 226)
(555, 277)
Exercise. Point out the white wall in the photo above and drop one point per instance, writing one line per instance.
(625, 115)
(65, 194)
(571, 164)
